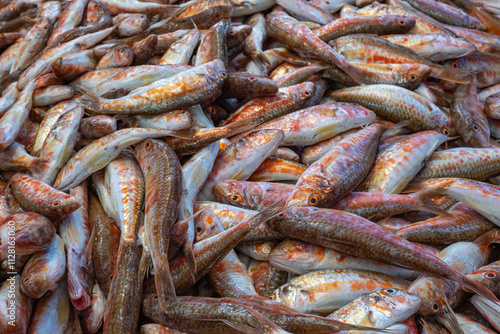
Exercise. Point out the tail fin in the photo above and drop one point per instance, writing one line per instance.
(36, 165)
(164, 283)
(451, 74)
(187, 249)
(268, 213)
(487, 307)
(449, 320)
(240, 126)
(90, 100)
(426, 203)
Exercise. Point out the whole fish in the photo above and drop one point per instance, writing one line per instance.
(324, 291)
(240, 159)
(330, 228)
(389, 174)
(75, 231)
(163, 186)
(100, 152)
(37, 196)
(14, 118)
(299, 257)
(398, 104)
(44, 269)
(338, 172)
(199, 83)
(468, 117)
(379, 309)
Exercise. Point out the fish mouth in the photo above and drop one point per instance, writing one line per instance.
(80, 303)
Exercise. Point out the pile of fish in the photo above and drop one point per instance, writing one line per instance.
(249, 166)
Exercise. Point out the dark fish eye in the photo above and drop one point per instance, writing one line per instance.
(390, 291)
(236, 198)
(155, 297)
(148, 145)
(252, 79)
(401, 22)
(446, 132)
(56, 203)
(254, 132)
(314, 200)
(307, 93)
(198, 229)
(281, 214)
(490, 274)
(435, 306)
(476, 128)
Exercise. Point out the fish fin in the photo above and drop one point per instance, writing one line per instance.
(265, 325)
(189, 134)
(425, 197)
(449, 319)
(268, 213)
(484, 306)
(164, 284)
(90, 100)
(36, 165)
(238, 175)
(187, 249)
(3, 248)
(476, 287)
(452, 74)
(240, 126)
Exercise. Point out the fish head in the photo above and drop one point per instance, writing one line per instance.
(412, 75)
(488, 276)
(216, 113)
(313, 192)
(291, 252)
(266, 140)
(392, 304)
(217, 70)
(292, 296)
(206, 225)
(235, 193)
(433, 292)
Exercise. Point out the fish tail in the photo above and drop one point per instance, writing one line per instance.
(268, 213)
(262, 58)
(90, 100)
(426, 203)
(188, 134)
(187, 249)
(452, 74)
(164, 284)
(240, 126)
(36, 165)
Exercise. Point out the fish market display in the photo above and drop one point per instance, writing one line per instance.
(249, 166)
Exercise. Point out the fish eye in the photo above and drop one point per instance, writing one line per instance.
(314, 200)
(235, 198)
(436, 306)
(490, 274)
(307, 93)
(223, 74)
(476, 128)
(401, 22)
(29, 147)
(252, 79)
(55, 204)
(412, 76)
(390, 291)
(473, 26)
(217, 16)
(111, 276)
(198, 229)
(184, 112)
(211, 110)
(282, 214)
(27, 279)
(148, 145)
(254, 132)
(446, 132)
(454, 64)
(155, 297)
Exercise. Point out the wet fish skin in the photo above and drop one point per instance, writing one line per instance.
(379, 25)
(22, 312)
(306, 293)
(75, 231)
(163, 186)
(300, 257)
(44, 269)
(338, 172)
(198, 83)
(462, 224)
(468, 117)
